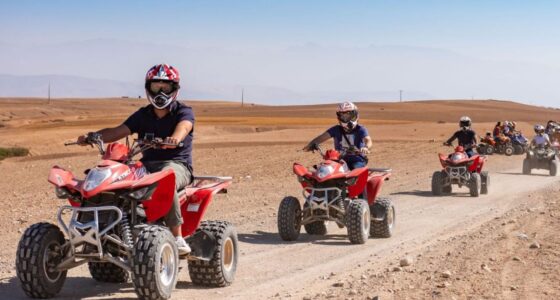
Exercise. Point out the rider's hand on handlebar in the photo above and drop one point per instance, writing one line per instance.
(82, 140)
(364, 150)
(446, 144)
(309, 147)
(170, 140)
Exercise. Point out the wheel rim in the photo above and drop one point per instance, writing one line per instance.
(167, 265)
(391, 217)
(229, 254)
(366, 221)
(51, 258)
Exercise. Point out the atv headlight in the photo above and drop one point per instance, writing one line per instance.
(95, 177)
(324, 171)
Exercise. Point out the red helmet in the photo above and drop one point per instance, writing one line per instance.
(162, 85)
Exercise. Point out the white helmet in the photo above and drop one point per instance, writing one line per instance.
(347, 115)
(465, 122)
(539, 129)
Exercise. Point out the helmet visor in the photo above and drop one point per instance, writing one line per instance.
(161, 86)
(346, 116)
(465, 123)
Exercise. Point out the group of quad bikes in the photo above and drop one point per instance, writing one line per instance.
(113, 220)
(461, 170)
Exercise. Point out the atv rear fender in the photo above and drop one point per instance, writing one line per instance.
(374, 183)
(198, 199)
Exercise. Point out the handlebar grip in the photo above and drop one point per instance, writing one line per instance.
(70, 143)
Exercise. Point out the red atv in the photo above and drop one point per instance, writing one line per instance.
(113, 224)
(334, 193)
(461, 170)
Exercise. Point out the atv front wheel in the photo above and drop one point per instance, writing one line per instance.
(316, 228)
(553, 167)
(526, 166)
(484, 182)
(489, 150)
(358, 221)
(39, 252)
(383, 228)
(219, 271)
(518, 149)
(155, 263)
(437, 183)
(107, 272)
(475, 185)
(289, 218)
(508, 150)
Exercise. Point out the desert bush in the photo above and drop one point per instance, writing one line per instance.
(13, 151)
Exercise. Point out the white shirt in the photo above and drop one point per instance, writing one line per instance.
(541, 139)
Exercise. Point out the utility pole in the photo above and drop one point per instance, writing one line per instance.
(49, 94)
(400, 95)
(242, 96)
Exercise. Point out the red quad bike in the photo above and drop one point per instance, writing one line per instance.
(334, 193)
(461, 170)
(113, 224)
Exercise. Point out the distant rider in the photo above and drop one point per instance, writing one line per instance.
(347, 134)
(551, 127)
(465, 136)
(167, 119)
(541, 139)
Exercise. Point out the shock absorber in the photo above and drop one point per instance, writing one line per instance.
(126, 233)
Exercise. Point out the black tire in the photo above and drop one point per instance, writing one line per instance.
(316, 228)
(358, 221)
(518, 149)
(484, 182)
(437, 183)
(383, 229)
(220, 270)
(553, 167)
(32, 260)
(289, 218)
(448, 189)
(154, 248)
(481, 148)
(475, 185)
(508, 150)
(107, 272)
(489, 150)
(526, 166)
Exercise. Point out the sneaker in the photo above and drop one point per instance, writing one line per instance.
(182, 246)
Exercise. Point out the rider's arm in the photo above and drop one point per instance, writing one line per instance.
(318, 140)
(182, 129)
(109, 134)
(368, 144)
(451, 139)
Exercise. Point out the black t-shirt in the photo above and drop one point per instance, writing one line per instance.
(144, 121)
(465, 137)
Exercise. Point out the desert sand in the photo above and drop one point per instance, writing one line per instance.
(461, 247)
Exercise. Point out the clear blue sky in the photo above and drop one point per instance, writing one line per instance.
(512, 43)
(522, 30)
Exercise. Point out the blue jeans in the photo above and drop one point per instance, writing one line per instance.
(469, 152)
(356, 164)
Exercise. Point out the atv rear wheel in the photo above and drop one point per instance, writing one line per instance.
(289, 218)
(553, 167)
(358, 221)
(316, 228)
(518, 149)
(475, 184)
(107, 272)
(39, 251)
(484, 182)
(508, 150)
(155, 263)
(384, 228)
(526, 166)
(489, 150)
(220, 270)
(437, 183)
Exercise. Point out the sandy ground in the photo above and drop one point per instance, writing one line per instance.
(474, 239)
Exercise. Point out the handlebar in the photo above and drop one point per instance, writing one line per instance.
(352, 150)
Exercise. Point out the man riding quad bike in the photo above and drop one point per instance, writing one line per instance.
(541, 155)
(115, 224)
(462, 170)
(333, 192)
(465, 136)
